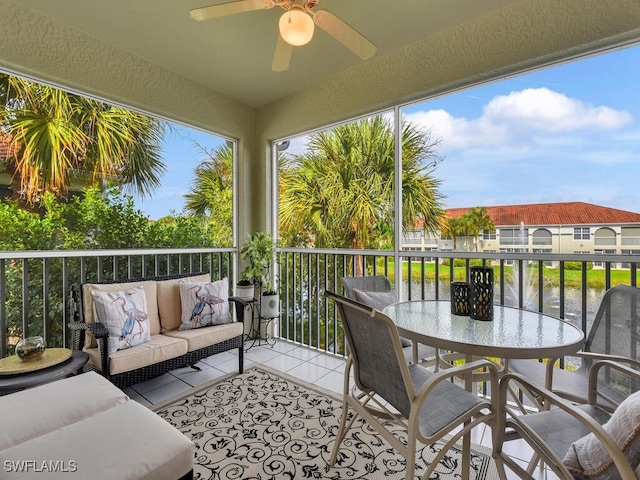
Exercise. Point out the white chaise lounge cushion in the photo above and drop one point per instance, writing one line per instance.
(37, 411)
(126, 442)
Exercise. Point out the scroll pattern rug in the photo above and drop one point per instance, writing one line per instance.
(264, 425)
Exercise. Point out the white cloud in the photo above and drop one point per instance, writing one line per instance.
(529, 116)
(530, 146)
(458, 133)
(545, 110)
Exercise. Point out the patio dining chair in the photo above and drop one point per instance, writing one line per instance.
(614, 335)
(375, 291)
(584, 441)
(389, 391)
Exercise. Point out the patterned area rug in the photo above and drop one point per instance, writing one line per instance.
(264, 424)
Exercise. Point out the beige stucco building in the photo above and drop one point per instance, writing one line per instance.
(569, 228)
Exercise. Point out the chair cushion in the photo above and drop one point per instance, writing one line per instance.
(587, 457)
(379, 300)
(169, 306)
(204, 304)
(125, 315)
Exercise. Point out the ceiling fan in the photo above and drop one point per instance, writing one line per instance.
(296, 26)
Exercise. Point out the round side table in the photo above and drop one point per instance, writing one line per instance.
(20, 381)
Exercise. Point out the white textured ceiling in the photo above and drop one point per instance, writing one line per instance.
(232, 55)
(216, 75)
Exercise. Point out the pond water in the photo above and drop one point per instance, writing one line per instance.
(551, 302)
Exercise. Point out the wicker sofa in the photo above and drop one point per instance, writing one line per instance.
(168, 348)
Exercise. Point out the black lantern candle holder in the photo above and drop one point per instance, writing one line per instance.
(481, 293)
(460, 298)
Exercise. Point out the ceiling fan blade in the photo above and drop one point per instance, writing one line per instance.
(282, 55)
(344, 33)
(229, 8)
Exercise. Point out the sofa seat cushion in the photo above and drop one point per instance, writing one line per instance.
(169, 305)
(37, 411)
(158, 349)
(125, 442)
(203, 337)
(89, 312)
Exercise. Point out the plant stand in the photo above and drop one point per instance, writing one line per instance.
(261, 324)
(244, 306)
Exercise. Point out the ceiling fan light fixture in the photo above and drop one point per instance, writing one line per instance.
(296, 27)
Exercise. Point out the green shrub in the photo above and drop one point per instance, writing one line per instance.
(95, 220)
(577, 265)
(461, 262)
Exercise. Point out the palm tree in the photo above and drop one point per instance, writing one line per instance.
(340, 192)
(453, 227)
(211, 191)
(476, 220)
(212, 184)
(210, 195)
(55, 136)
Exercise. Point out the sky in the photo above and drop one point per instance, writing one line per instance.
(182, 151)
(569, 133)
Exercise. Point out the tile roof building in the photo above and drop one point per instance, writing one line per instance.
(570, 227)
(568, 213)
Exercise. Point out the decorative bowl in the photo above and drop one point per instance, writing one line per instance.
(31, 348)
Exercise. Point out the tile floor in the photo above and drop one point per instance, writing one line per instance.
(310, 365)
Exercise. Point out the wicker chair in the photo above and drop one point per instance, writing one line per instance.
(374, 284)
(575, 441)
(427, 404)
(614, 335)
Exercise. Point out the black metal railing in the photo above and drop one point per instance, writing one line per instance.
(36, 288)
(564, 285)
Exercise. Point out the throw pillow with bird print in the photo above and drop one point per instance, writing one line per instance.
(124, 313)
(204, 304)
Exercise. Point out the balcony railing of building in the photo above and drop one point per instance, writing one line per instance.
(602, 241)
(38, 289)
(541, 241)
(630, 241)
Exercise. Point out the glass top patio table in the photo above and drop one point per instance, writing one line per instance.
(513, 333)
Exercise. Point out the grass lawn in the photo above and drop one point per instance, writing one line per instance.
(573, 278)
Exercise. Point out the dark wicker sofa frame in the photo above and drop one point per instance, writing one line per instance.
(125, 379)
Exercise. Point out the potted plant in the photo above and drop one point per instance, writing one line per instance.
(269, 300)
(258, 250)
(245, 289)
